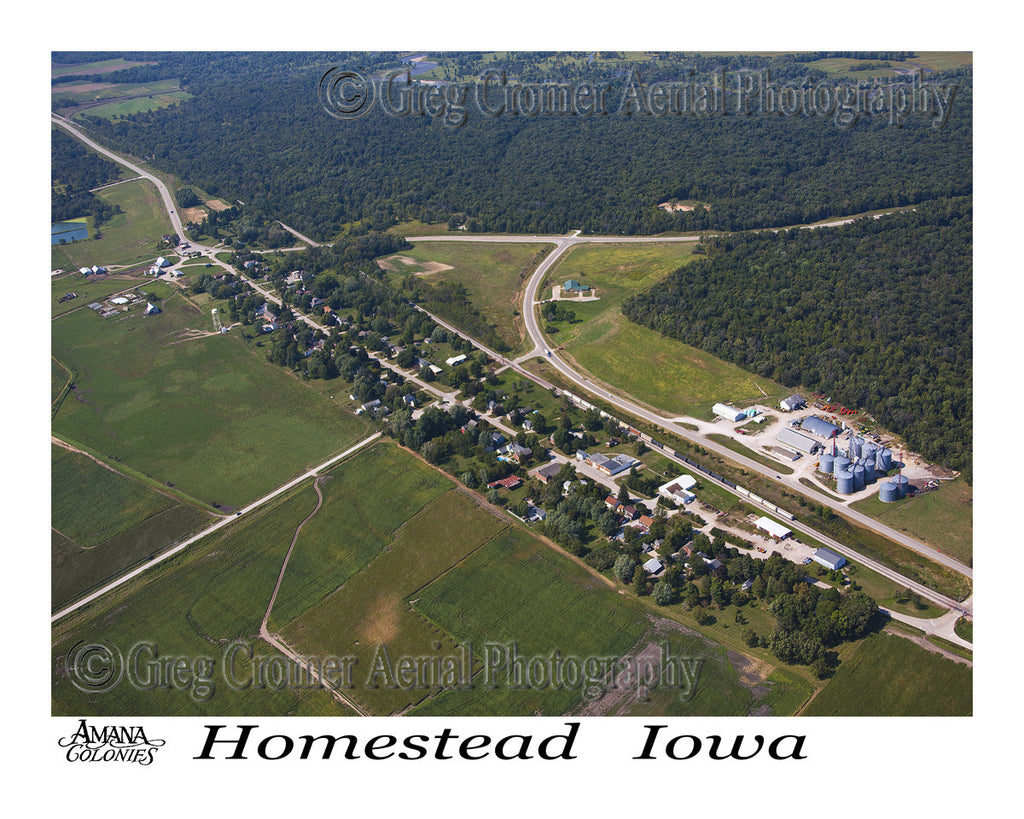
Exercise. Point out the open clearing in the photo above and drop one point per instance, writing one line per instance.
(942, 518)
(493, 274)
(211, 417)
(130, 237)
(658, 371)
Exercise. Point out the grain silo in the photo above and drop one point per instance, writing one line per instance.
(886, 459)
(869, 470)
(902, 484)
(854, 447)
(826, 462)
(858, 477)
(844, 482)
(840, 464)
(888, 492)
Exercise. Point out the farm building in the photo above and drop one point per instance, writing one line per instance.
(773, 528)
(455, 360)
(151, 309)
(794, 402)
(829, 559)
(729, 413)
(794, 439)
(162, 262)
(819, 426)
(573, 286)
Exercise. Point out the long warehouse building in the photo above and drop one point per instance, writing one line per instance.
(797, 441)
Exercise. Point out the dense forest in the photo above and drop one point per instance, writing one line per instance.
(260, 135)
(876, 314)
(74, 169)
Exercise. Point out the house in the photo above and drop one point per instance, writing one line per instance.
(713, 563)
(645, 522)
(573, 286)
(535, 513)
(409, 400)
(548, 472)
(162, 262)
(455, 360)
(516, 452)
(794, 402)
(371, 405)
(511, 482)
(653, 566)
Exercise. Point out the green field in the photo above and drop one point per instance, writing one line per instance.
(206, 413)
(633, 360)
(195, 605)
(129, 238)
(103, 523)
(516, 590)
(121, 108)
(942, 518)
(372, 609)
(90, 289)
(891, 676)
(493, 274)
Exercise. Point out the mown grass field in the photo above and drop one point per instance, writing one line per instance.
(943, 518)
(130, 237)
(493, 274)
(206, 414)
(891, 676)
(150, 102)
(654, 369)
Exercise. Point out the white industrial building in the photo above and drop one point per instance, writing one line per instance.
(678, 489)
(829, 559)
(729, 413)
(773, 528)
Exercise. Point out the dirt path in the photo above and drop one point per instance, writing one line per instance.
(276, 641)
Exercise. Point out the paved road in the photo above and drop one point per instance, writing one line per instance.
(562, 245)
(541, 348)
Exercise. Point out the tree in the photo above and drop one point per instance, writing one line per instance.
(624, 568)
(664, 593)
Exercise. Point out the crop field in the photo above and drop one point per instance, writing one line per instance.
(104, 522)
(195, 605)
(372, 609)
(891, 676)
(943, 517)
(493, 274)
(98, 67)
(517, 591)
(202, 412)
(130, 237)
(656, 370)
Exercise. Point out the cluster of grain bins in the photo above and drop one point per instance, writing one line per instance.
(859, 465)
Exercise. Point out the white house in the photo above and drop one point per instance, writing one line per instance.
(455, 360)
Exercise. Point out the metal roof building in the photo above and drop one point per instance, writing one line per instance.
(819, 426)
(795, 439)
(729, 413)
(773, 528)
(792, 403)
(829, 559)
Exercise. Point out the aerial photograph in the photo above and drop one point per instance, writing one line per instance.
(452, 383)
